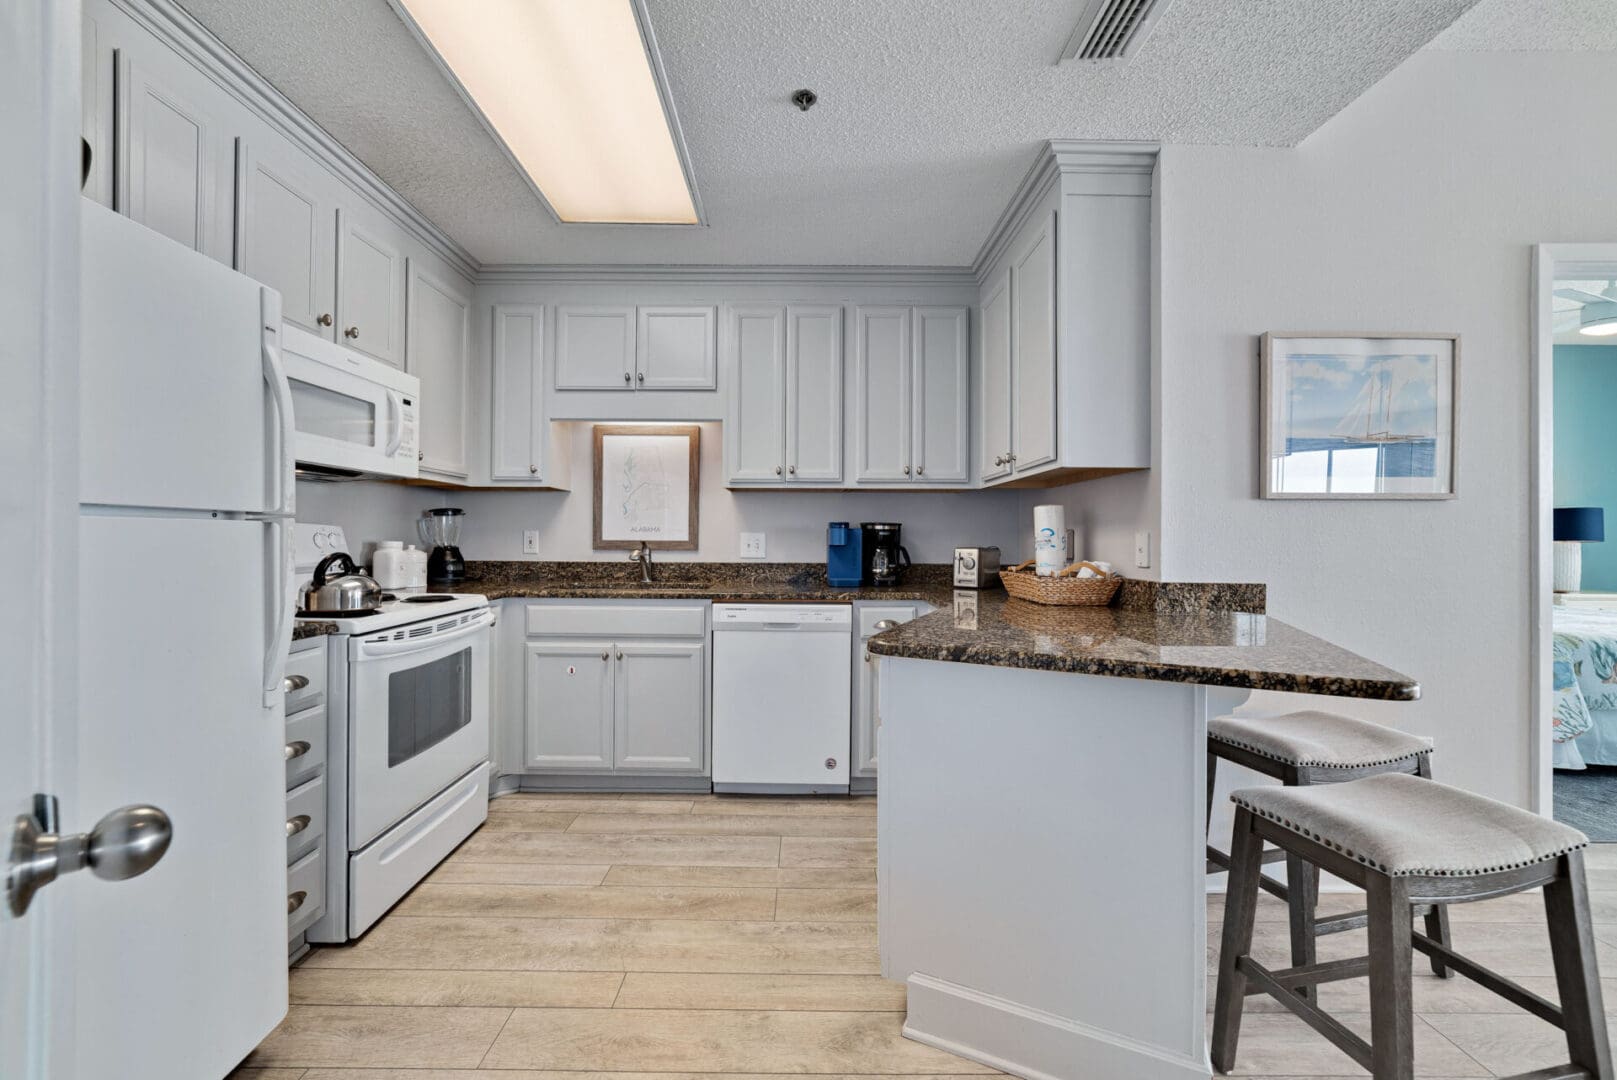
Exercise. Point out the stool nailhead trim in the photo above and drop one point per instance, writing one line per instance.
(1313, 763)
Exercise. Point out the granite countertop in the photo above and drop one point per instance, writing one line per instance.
(749, 582)
(1167, 641)
(308, 628)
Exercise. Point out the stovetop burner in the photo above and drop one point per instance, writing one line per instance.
(429, 598)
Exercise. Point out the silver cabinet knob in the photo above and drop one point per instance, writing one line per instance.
(906, 470)
(124, 844)
(626, 377)
(641, 377)
(295, 750)
(792, 469)
(606, 656)
(421, 455)
(294, 683)
(324, 319)
(297, 824)
(352, 333)
(620, 654)
(920, 470)
(533, 470)
(295, 901)
(777, 470)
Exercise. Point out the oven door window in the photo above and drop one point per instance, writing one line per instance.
(427, 704)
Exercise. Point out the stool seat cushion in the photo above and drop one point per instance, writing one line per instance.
(1402, 825)
(1318, 739)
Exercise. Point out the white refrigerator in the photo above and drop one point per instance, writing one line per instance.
(186, 601)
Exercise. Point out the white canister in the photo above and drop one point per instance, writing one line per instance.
(395, 566)
(1049, 538)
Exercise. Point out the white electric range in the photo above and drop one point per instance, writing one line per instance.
(408, 733)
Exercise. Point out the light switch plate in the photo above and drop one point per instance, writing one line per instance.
(1142, 549)
(752, 545)
(530, 541)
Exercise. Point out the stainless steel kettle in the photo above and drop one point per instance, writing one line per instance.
(343, 592)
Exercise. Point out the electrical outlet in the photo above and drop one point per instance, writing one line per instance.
(530, 541)
(1142, 549)
(752, 545)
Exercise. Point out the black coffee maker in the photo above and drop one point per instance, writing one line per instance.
(440, 529)
(885, 558)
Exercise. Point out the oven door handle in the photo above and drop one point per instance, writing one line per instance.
(371, 649)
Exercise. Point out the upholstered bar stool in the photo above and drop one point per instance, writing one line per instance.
(1301, 749)
(1407, 842)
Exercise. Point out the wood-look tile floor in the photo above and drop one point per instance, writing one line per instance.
(656, 937)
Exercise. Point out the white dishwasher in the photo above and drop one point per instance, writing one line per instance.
(782, 698)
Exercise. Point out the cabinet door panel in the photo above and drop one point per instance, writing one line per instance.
(518, 387)
(286, 237)
(755, 412)
(594, 348)
(996, 379)
(1033, 351)
(176, 162)
(660, 706)
(814, 393)
(567, 705)
(439, 343)
(883, 384)
(676, 349)
(370, 292)
(942, 413)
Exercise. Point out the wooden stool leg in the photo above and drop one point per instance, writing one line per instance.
(1566, 904)
(1240, 911)
(1302, 885)
(1437, 920)
(1392, 1015)
(1212, 778)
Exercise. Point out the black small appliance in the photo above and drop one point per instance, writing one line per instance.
(885, 559)
(440, 528)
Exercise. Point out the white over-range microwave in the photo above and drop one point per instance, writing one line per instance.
(355, 416)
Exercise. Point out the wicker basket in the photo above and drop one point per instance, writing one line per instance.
(1065, 588)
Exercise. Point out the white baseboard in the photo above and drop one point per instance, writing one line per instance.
(1030, 1043)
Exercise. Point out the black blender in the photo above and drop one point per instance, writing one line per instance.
(440, 530)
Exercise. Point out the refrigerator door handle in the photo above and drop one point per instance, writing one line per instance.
(395, 407)
(279, 645)
(281, 394)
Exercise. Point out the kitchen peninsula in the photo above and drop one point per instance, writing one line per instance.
(1041, 875)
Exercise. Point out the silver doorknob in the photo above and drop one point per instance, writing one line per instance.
(124, 844)
(352, 332)
(324, 320)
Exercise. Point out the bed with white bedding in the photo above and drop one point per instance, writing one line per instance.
(1585, 681)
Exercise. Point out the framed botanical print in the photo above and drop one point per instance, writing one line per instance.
(646, 482)
(1359, 416)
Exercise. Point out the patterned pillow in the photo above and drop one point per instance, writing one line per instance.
(1571, 714)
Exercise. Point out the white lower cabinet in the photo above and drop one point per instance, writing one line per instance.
(872, 619)
(658, 699)
(567, 705)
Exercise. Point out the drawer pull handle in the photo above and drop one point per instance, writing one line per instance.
(295, 750)
(293, 683)
(295, 900)
(886, 624)
(297, 824)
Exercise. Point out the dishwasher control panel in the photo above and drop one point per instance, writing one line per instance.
(798, 616)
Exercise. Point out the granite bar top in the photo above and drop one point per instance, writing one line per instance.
(1170, 641)
(308, 628)
(749, 582)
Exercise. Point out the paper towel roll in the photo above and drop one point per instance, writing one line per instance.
(1049, 538)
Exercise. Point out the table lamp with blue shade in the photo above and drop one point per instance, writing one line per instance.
(1574, 527)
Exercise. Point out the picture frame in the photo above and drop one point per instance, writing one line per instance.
(1350, 415)
(647, 478)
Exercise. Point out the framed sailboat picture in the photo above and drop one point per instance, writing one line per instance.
(1359, 416)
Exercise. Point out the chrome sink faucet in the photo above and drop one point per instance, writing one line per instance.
(643, 557)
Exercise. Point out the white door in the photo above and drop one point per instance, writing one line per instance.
(594, 348)
(1033, 376)
(568, 703)
(756, 411)
(659, 706)
(677, 349)
(814, 392)
(517, 435)
(39, 433)
(370, 292)
(942, 396)
(882, 379)
(286, 234)
(996, 379)
(438, 352)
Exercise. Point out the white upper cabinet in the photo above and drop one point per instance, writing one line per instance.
(941, 387)
(594, 348)
(994, 389)
(754, 426)
(1033, 357)
(518, 432)
(286, 234)
(677, 349)
(913, 386)
(814, 392)
(370, 292)
(175, 172)
(440, 344)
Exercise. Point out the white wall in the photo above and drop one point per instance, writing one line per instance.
(793, 521)
(367, 510)
(1414, 209)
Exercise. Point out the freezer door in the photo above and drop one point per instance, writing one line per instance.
(175, 411)
(180, 971)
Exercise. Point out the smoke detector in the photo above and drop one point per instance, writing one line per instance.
(1113, 29)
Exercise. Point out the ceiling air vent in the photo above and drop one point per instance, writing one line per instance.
(1112, 29)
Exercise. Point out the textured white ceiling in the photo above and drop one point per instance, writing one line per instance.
(930, 111)
(1534, 26)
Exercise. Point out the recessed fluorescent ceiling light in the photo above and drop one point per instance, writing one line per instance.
(567, 86)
